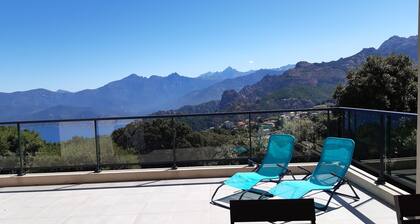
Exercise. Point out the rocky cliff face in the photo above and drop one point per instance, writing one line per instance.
(308, 84)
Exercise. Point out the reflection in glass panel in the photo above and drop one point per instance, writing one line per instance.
(9, 152)
(401, 154)
(218, 139)
(58, 146)
(309, 129)
(365, 129)
(114, 152)
(140, 143)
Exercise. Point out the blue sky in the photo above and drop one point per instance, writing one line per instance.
(81, 44)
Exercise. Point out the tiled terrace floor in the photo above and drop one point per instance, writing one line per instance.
(169, 201)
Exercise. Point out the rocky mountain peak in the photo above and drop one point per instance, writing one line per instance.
(302, 64)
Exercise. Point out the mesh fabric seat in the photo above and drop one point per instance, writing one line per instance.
(328, 175)
(273, 166)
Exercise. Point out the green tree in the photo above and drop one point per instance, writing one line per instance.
(8, 140)
(403, 138)
(146, 136)
(385, 83)
(30, 140)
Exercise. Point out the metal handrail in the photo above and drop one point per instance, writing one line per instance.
(377, 111)
(169, 116)
(206, 114)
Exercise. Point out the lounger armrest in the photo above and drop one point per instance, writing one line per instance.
(344, 179)
(308, 173)
(306, 170)
(281, 166)
(341, 178)
(285, 168)
(287, 171)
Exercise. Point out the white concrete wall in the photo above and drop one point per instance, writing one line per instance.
(83, 177)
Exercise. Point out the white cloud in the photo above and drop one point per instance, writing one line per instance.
(251, 62)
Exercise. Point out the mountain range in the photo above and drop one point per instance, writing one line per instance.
(132, 95)
(292, 86)
(228, 73)
(235, 82)
(304, 86)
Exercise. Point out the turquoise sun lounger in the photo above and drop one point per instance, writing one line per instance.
(328, 175)
(273, 167)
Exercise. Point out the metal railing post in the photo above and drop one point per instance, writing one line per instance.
(174, 166)
(250, 140)
(98, 148)
(21, 170)
(381, 146)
